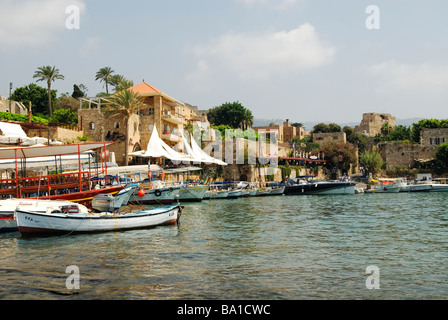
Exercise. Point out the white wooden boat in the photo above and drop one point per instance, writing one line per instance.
(100, 202)
(63, 220)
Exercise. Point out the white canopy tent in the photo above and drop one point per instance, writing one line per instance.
(196, 152)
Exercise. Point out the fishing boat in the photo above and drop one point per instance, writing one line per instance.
(301, 186)
(62, 220)
(263, 192)
(383, 189)
(76, 186)
(192, 193)
(163, 195)
(233, 194)
(100, 202)
(216, 194)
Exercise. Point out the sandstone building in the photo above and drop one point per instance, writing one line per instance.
(284, 132)
(337, 137)
(371, 123)
(160, 111)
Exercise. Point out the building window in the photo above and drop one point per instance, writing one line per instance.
(92, 125)
(116, 125)
(151, 111)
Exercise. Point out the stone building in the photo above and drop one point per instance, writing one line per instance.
(405, 155)
(433, 137)
(285, 132)
(12, 106)
(160, 110)
(322, 138)
(371, 123)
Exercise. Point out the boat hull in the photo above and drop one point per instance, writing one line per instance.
(155, 196)
(7, 224)
(35, 223)
(216, 194)
(384, 190)
(321, 188)
(193, 193)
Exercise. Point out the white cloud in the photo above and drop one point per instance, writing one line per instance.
(30, 23)
(425, 77)
(260, 56)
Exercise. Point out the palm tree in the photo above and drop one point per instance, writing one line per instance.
(115, 80)
(248, 119)
(123, 104)
(104, 74)
(49, 74)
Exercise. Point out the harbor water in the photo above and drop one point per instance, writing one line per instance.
(267, 248)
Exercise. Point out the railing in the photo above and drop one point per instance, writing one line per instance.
(31, 187)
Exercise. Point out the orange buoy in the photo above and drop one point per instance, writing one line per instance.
(141, 192)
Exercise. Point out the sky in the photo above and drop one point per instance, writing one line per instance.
(303, 60)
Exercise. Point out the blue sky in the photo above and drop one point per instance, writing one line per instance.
(305, 60)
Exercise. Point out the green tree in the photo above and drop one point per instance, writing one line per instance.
(64, 116)
(386, 129)
(124, 104)
(371, 161)
(232, 114)
(400, 133)
(339, 155)
(49, 74)
(77, 92)
(334, 127)
(442, 157)
(321, 128)
(104, 75)
(426, 124)
(297, 124)
(34, 94)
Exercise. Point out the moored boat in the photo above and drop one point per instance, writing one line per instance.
(193, 193)
(100, 202)
(302, 187)
(54, 220)
(233, 194)
(216, 194)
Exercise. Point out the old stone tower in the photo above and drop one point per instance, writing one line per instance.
(372, 122)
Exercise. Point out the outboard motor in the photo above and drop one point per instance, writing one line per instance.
(103, 203)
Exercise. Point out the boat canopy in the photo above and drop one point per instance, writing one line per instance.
(48, 151)
(157, 148)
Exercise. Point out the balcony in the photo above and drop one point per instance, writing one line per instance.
(174, 120)
(170, 137)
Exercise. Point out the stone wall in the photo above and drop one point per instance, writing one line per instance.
(60, 134)
(322, 138)
(433, 137)
(404, 155)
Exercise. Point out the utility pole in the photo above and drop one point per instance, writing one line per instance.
(10, 94)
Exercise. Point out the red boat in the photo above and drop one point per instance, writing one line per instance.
(78, 186)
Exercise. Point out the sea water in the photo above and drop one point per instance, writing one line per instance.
(267, 248)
